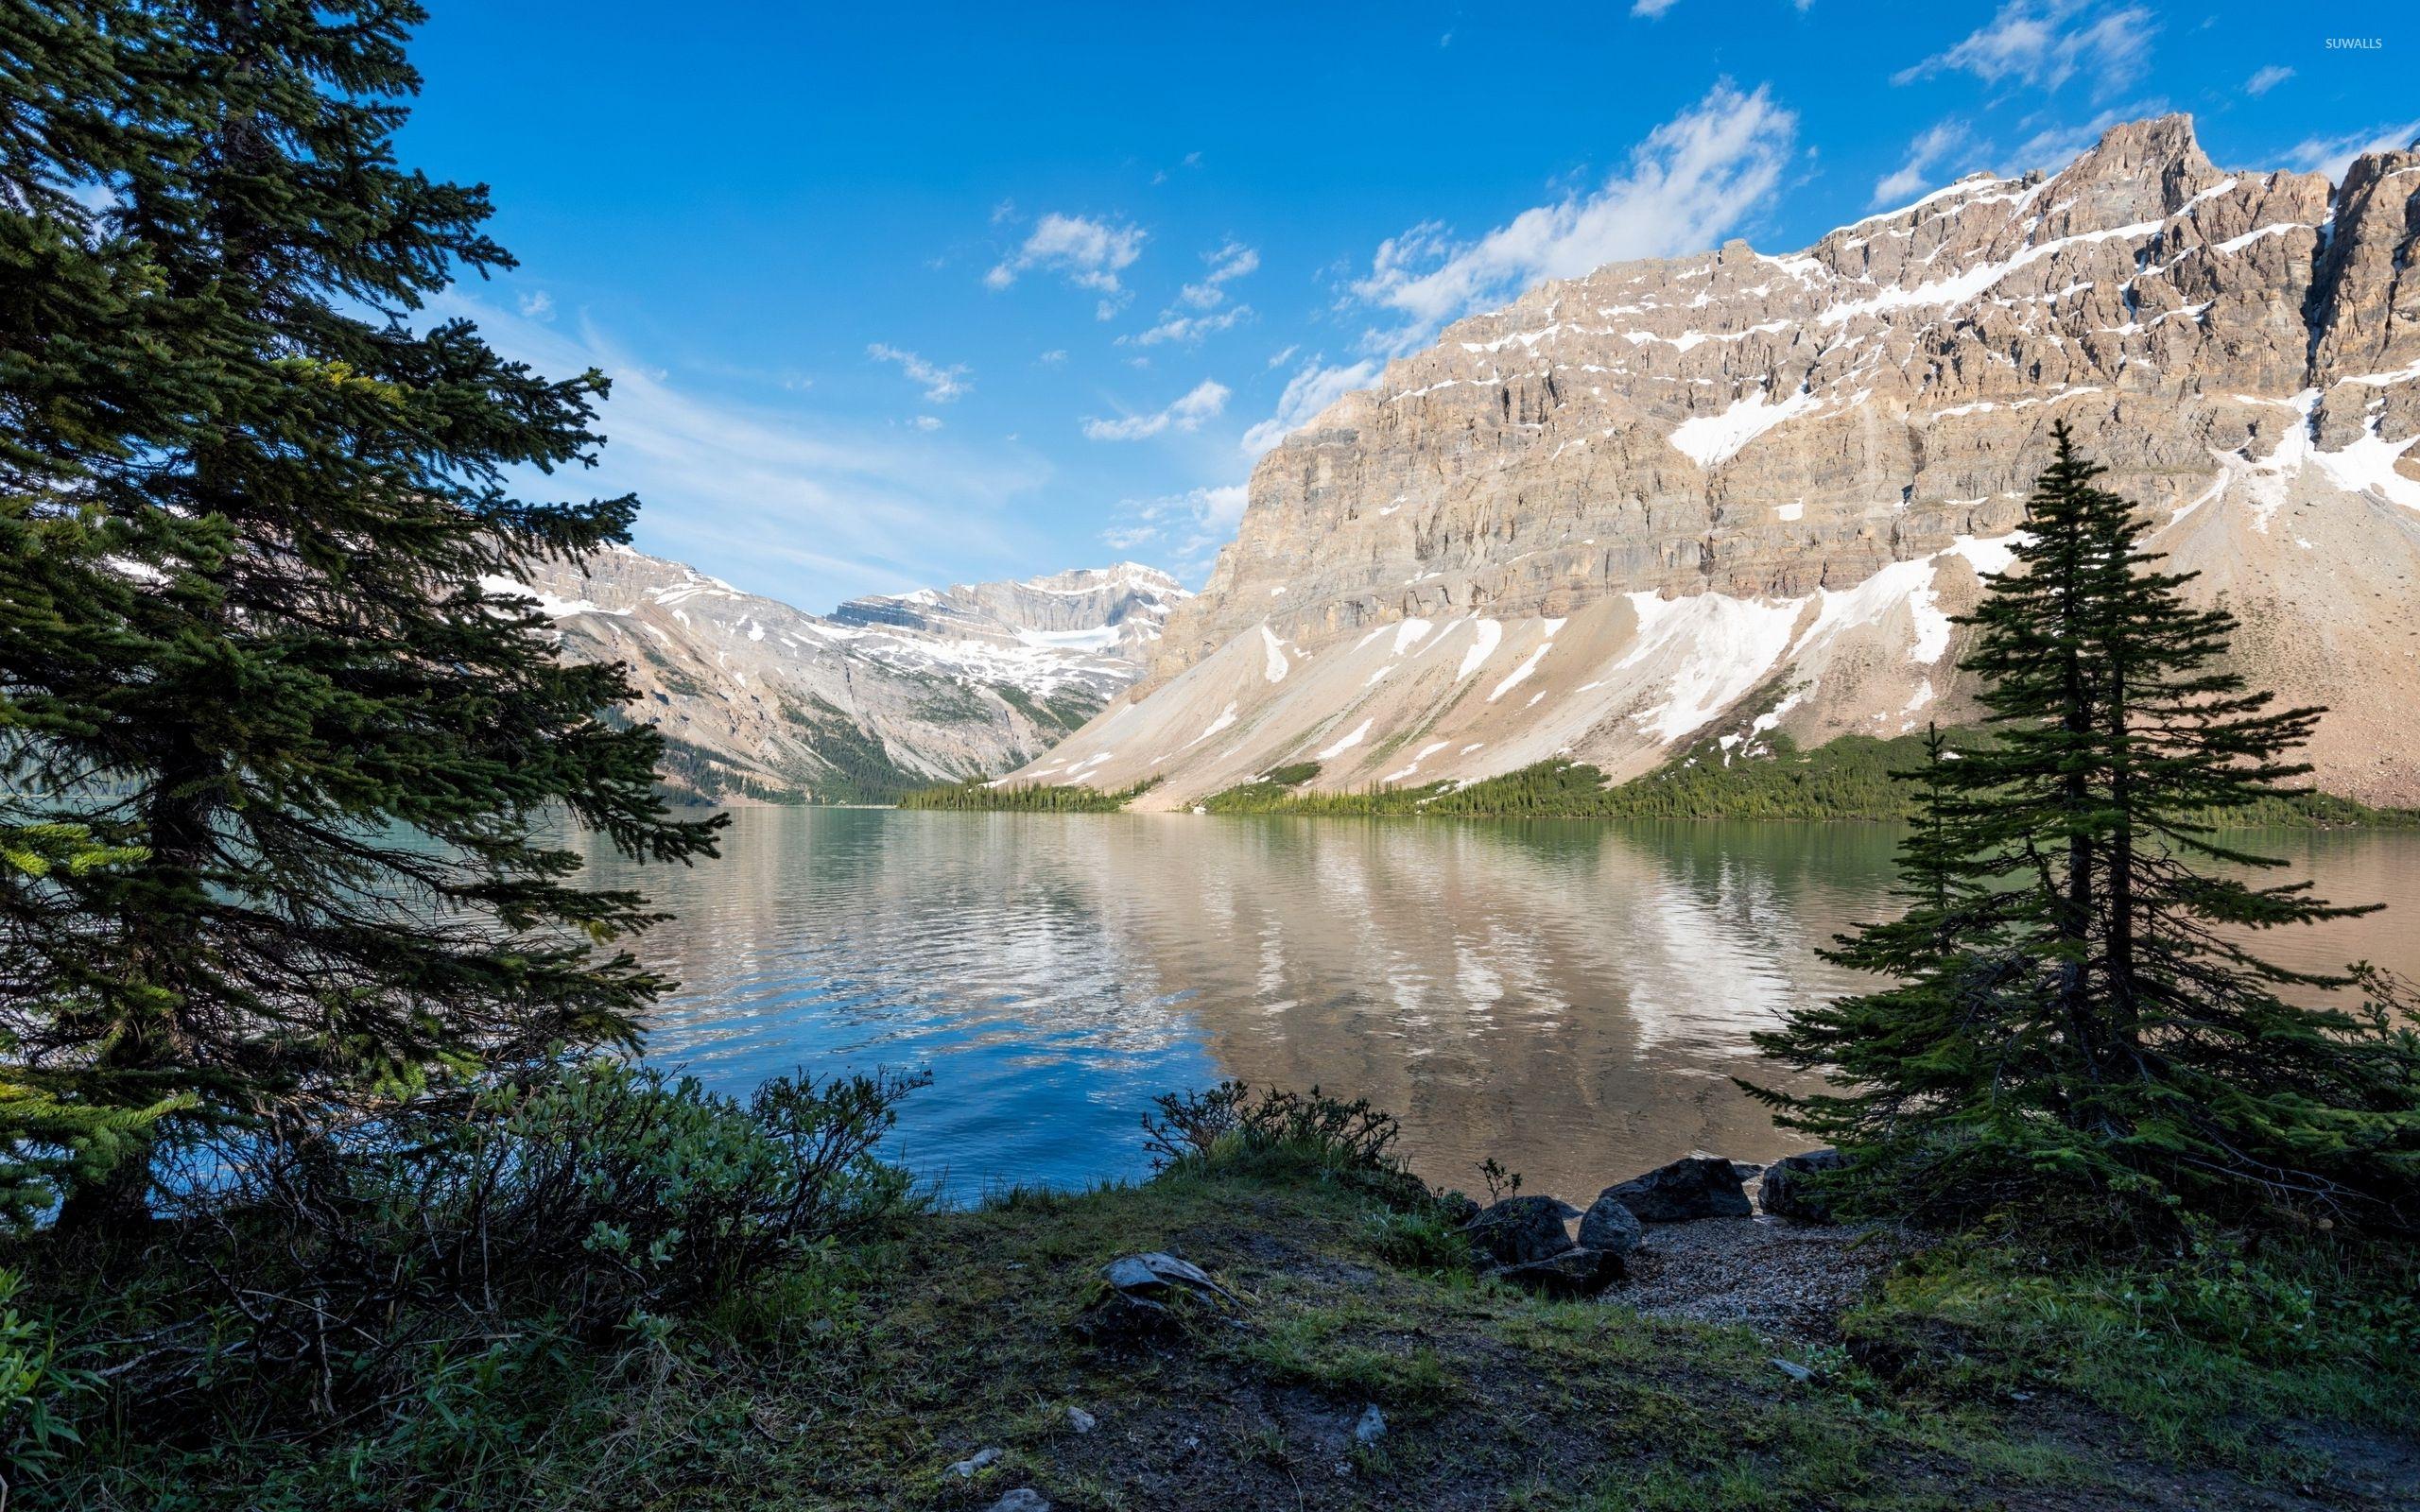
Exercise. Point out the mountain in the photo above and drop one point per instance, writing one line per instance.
(761, 701)
(1713, 497)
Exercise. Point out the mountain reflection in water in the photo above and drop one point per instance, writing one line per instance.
(1569, 997)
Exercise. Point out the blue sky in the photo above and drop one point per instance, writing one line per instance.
(914, 293)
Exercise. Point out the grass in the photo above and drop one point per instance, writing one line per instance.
(854, 1378)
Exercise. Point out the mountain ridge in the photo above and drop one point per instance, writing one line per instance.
(760, 701)
(1735, 493)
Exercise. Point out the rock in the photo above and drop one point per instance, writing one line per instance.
(1519, 1229)
(981, 1459)
(938, 680)
(1147, 1294)
(1793, 1369)
(1156, 1275)
(1609, 1225)
(1080, 1421)
(1024, 1499)
(1575, 1272)
(1682, 1192)
(1785, 1192)
(1616, 464)
(1372, 1427)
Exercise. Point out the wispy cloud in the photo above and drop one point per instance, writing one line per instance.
(538, 304)
(2332, 155)
(1188, 329)
(2047, 43)
(1693, 178)
(1089, 253)
(1930, 147)
(2267, 79)
(942, 384)
(1204, 401)
(1227, 263)
(1188, 528)
(788, 503)
(1652, 9)
(1311, 390)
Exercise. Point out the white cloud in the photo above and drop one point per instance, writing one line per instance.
(1930, 147)
(783, 502)
(1053, 357)
(1191, 526)
(927, 422)
(1188, 329)
(1312, 389)
(2267, 79)
(1228, 263)
(2332, 155)
(1693, 178)
(1090, 253)
(1204, 402)
(1279, 360)
(942, 384)
(538, 304)
(2045, 43)
(1652, 9)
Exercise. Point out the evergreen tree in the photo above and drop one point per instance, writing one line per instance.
(2076, 1004)
(251, 517)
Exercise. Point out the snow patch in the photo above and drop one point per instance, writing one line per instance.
(1348, 742)
(1711, 440)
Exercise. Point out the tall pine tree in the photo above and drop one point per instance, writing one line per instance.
(247, 511)
(2077, 1004)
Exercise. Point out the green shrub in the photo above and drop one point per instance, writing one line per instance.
(34, 1388)
(1232, 1128)
(616, 1188)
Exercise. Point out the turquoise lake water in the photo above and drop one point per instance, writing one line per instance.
(1570, 997)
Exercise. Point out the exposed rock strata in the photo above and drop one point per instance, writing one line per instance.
(1731, 493)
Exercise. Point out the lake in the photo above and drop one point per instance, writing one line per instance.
(1570, 997)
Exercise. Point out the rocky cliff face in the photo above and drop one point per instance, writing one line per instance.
(1731, 493)
(761, 701)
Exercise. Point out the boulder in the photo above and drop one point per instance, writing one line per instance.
(1684, 1191)
(1024, 1499)
(1519, 1229)
(1156, 1275)
(1148, 1294)
(1610, 1226)
(1788, 1194)
(1575, 1272)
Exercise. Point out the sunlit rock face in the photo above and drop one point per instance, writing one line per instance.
(1732, 493)
(763, 702)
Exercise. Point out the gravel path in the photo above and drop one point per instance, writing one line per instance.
(1783, 1278)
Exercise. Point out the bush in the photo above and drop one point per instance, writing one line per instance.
(447, 1248)
(1232, 1127)
(606, 1188)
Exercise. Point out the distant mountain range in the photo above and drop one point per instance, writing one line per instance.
(759, 701)
(1676, 509)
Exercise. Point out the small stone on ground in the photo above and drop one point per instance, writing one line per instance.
(1786, 1279)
